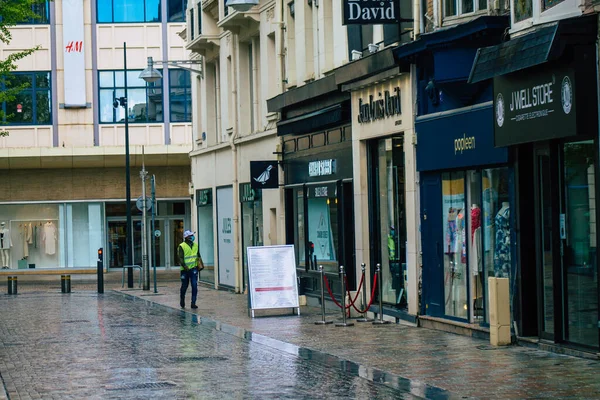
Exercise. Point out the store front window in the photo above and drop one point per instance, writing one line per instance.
(579, 241)
(252, 221)
(61, 235)
(205, 234)
(476, 221)
(455, 245)
(389, 222)
(323, 226)
(169, 221)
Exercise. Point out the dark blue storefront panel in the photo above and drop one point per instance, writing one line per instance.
(458, 139)
(431, 241)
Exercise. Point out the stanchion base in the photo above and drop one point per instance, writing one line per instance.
(365, 320)
(344, 324)
(323, 322)
(380, 322)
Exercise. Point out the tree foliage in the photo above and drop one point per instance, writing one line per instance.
(13, 12)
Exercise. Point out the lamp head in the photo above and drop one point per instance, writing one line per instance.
(150, 74)
(241, 5)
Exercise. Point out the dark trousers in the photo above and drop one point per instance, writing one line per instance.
(188, 276)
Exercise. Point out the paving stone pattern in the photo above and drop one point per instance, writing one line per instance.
(84, 345)
(415, 361)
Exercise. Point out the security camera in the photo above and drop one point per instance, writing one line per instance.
(116, 103)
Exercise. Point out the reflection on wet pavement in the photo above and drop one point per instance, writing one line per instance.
(116, 346)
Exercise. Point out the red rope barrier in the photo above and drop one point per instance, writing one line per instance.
(372, 297)
(359, 288)
(331, 294)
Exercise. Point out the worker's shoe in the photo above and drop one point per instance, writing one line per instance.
(194, 306)
(182, 303)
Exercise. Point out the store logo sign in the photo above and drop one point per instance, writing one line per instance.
(321, 168)
(387, 105)
(464, 143)
(371, 12)
(566, 95)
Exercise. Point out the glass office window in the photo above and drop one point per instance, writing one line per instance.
(40, 14)
(176, 10)
(111, 11)
(30, 98)
(145, 103)
(180, 95)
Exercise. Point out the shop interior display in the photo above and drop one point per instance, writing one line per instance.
(30, 241)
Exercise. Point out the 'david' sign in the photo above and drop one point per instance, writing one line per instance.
(370, 12)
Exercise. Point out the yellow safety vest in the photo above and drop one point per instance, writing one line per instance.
(190, 255)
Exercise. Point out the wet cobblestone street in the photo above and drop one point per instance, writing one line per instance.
(132, 344)
(85, 345)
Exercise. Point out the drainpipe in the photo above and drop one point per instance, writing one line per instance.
(237, 266)
(417, 19)
(280, 42)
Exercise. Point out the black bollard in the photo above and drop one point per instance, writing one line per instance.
(12, 285)
(100, 271)
(65, 283)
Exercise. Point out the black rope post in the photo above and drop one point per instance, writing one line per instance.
(322, 322)
(364, 296)
(343, 323)
(379, 288)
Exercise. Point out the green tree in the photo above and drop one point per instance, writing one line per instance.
(13, 12)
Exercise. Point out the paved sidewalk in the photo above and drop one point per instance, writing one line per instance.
(398, 354)
(464, 366)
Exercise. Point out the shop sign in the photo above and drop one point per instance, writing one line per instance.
(248, 193)
(371, 12)
(322, 191)
(74, 53)
(532, 106)
(459, 139)
(321, 168)
(387, 105)
(263, 174)
(225, 236)
(203, 197)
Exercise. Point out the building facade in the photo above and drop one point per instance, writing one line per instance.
(63, 158)
(546, 115)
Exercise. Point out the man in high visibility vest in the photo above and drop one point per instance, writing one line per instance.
(190, 264)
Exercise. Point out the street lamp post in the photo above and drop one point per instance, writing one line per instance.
(122, 101)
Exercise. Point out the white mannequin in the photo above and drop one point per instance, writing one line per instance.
(5, 245)
(505, 205)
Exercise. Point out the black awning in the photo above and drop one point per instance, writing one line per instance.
(544, 44)
(313, 121)
(456, 35)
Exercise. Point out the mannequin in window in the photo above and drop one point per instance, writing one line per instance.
(451, 230)
(5, 245)
(476, 261)
(502, 249)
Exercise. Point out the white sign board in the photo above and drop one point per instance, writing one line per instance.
(272, 277)
(74, 53)
(225, 236)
